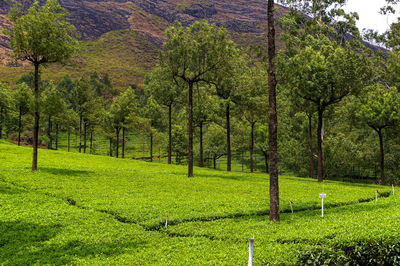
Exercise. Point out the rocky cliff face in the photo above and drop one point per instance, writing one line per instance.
(93, 18)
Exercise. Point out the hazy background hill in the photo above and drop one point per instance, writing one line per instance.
(122, 37)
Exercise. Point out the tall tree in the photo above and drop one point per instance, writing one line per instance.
(226, 83)
(53, 106)
(41, 36)
(166, 92)
(82, 99)
(274, 213)
(192, 54)
(155, 120)
(324, 74)
(23, 100)
(254, 103)
(380, 109)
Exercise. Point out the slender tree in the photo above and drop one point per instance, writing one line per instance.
(165, 90)
(380, 109)
(192, 55)
(274, 213)
(324, 75)
(23, 100)
(41, 36)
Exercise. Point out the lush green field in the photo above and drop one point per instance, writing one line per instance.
(92, 209)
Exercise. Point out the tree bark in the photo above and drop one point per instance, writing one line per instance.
(56, 136)
(274, 213)
(80, 133)
(19, 125)
(84, 136)
(151, 147)
(266, 162)
(201, 145)
(190, 129)
(37, 117)
(117, 148)
(91, 140)
(123, 143)
(170, 134)
(312, 175)
(382, 156)
(251, 147)
(320, 154)
(49, 133)
(228, 139)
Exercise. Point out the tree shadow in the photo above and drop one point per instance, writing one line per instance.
(5, 189)
(61, 171)
(24, 243)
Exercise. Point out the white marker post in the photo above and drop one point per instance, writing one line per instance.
(166, 221)
(251, 248)
(291, 206)
(322, 196)
(393, 189)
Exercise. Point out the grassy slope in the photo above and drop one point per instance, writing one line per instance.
(82, 208)
(126, 56)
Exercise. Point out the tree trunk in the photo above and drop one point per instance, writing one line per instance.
(201, 145)
(111, 155)
(117, 148)
(69, 140)
(170, 134)
(91, 140)
(311, 146)
(251, 147)
(228, 139)
(255, 162)
(19, 125)
(190, 129)
(266, 162)
(382, 156)
(242, 162)
(151, 147)
(80, 133)
(274, 213)
(215, 162)
(49, 133)
(123, 143)
(56, 136)
(37, 117)
(320, 154)
(84, 136)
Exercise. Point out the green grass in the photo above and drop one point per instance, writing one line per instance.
(94, 209)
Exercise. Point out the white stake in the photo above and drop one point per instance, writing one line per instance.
(393, 189)
(166, 221)
(291, 206)
(322, 196)
(322, 205)
(251, 248)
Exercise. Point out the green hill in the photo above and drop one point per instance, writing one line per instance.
(92, 209)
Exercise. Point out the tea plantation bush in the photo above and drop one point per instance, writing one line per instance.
(91, 209)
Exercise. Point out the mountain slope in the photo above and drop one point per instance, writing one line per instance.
(122, 37)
